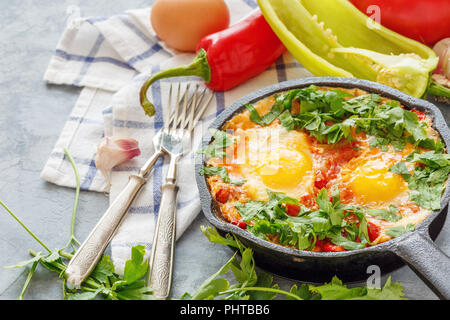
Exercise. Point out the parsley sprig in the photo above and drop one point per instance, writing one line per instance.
(103, 282)
(253, 284)
(222, 172)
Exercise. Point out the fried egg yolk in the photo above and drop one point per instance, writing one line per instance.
(284, 169)
(373, 182)
(277, 160)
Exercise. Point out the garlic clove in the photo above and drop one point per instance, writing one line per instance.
(112, 151)
(442, 50)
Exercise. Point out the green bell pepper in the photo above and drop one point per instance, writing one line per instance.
(333, 38)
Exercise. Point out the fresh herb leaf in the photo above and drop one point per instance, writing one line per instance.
(399, 230)
(103, 270)
(386, 121)
(339, 240)
(302, 292)
(427, 181)
(87, 295)
(136, 267)
(265, 280)
(390, 291)
(222, 172)
(432, 159)
(287, 120)
(214, 237)
(387, 215)
(270, 218)
(335, 290)
(222, 140)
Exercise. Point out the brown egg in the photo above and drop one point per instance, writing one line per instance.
(182, 23)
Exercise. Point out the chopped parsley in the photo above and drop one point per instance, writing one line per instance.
(329, 116)
(399, 230)
(387, 215)
(222, 172)
(427, 181)
(270, 218)
(222, 140)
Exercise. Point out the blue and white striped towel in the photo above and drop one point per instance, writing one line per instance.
(110, 58)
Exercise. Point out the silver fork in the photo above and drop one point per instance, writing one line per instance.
(175, 143)
(90, 251)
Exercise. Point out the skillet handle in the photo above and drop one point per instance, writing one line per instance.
(429, 262)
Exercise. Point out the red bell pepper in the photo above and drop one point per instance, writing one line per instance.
(228, 57)
(427, 21)
(292, 209)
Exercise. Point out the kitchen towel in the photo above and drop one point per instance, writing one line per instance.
(110, 57)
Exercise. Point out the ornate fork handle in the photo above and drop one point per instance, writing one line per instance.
(162, 256)
(87, 256)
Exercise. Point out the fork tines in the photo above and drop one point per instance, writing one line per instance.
(188, 107)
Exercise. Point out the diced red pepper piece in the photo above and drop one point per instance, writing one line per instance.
(330, 247)
(308, 201)
(222, 195)
(420, 115)
(320, 181)
(240, 224)
(373, 230)
(292, 209)
(326, 245)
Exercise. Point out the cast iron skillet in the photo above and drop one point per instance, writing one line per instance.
(415, 248)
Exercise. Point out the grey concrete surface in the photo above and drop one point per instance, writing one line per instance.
(32, 115)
